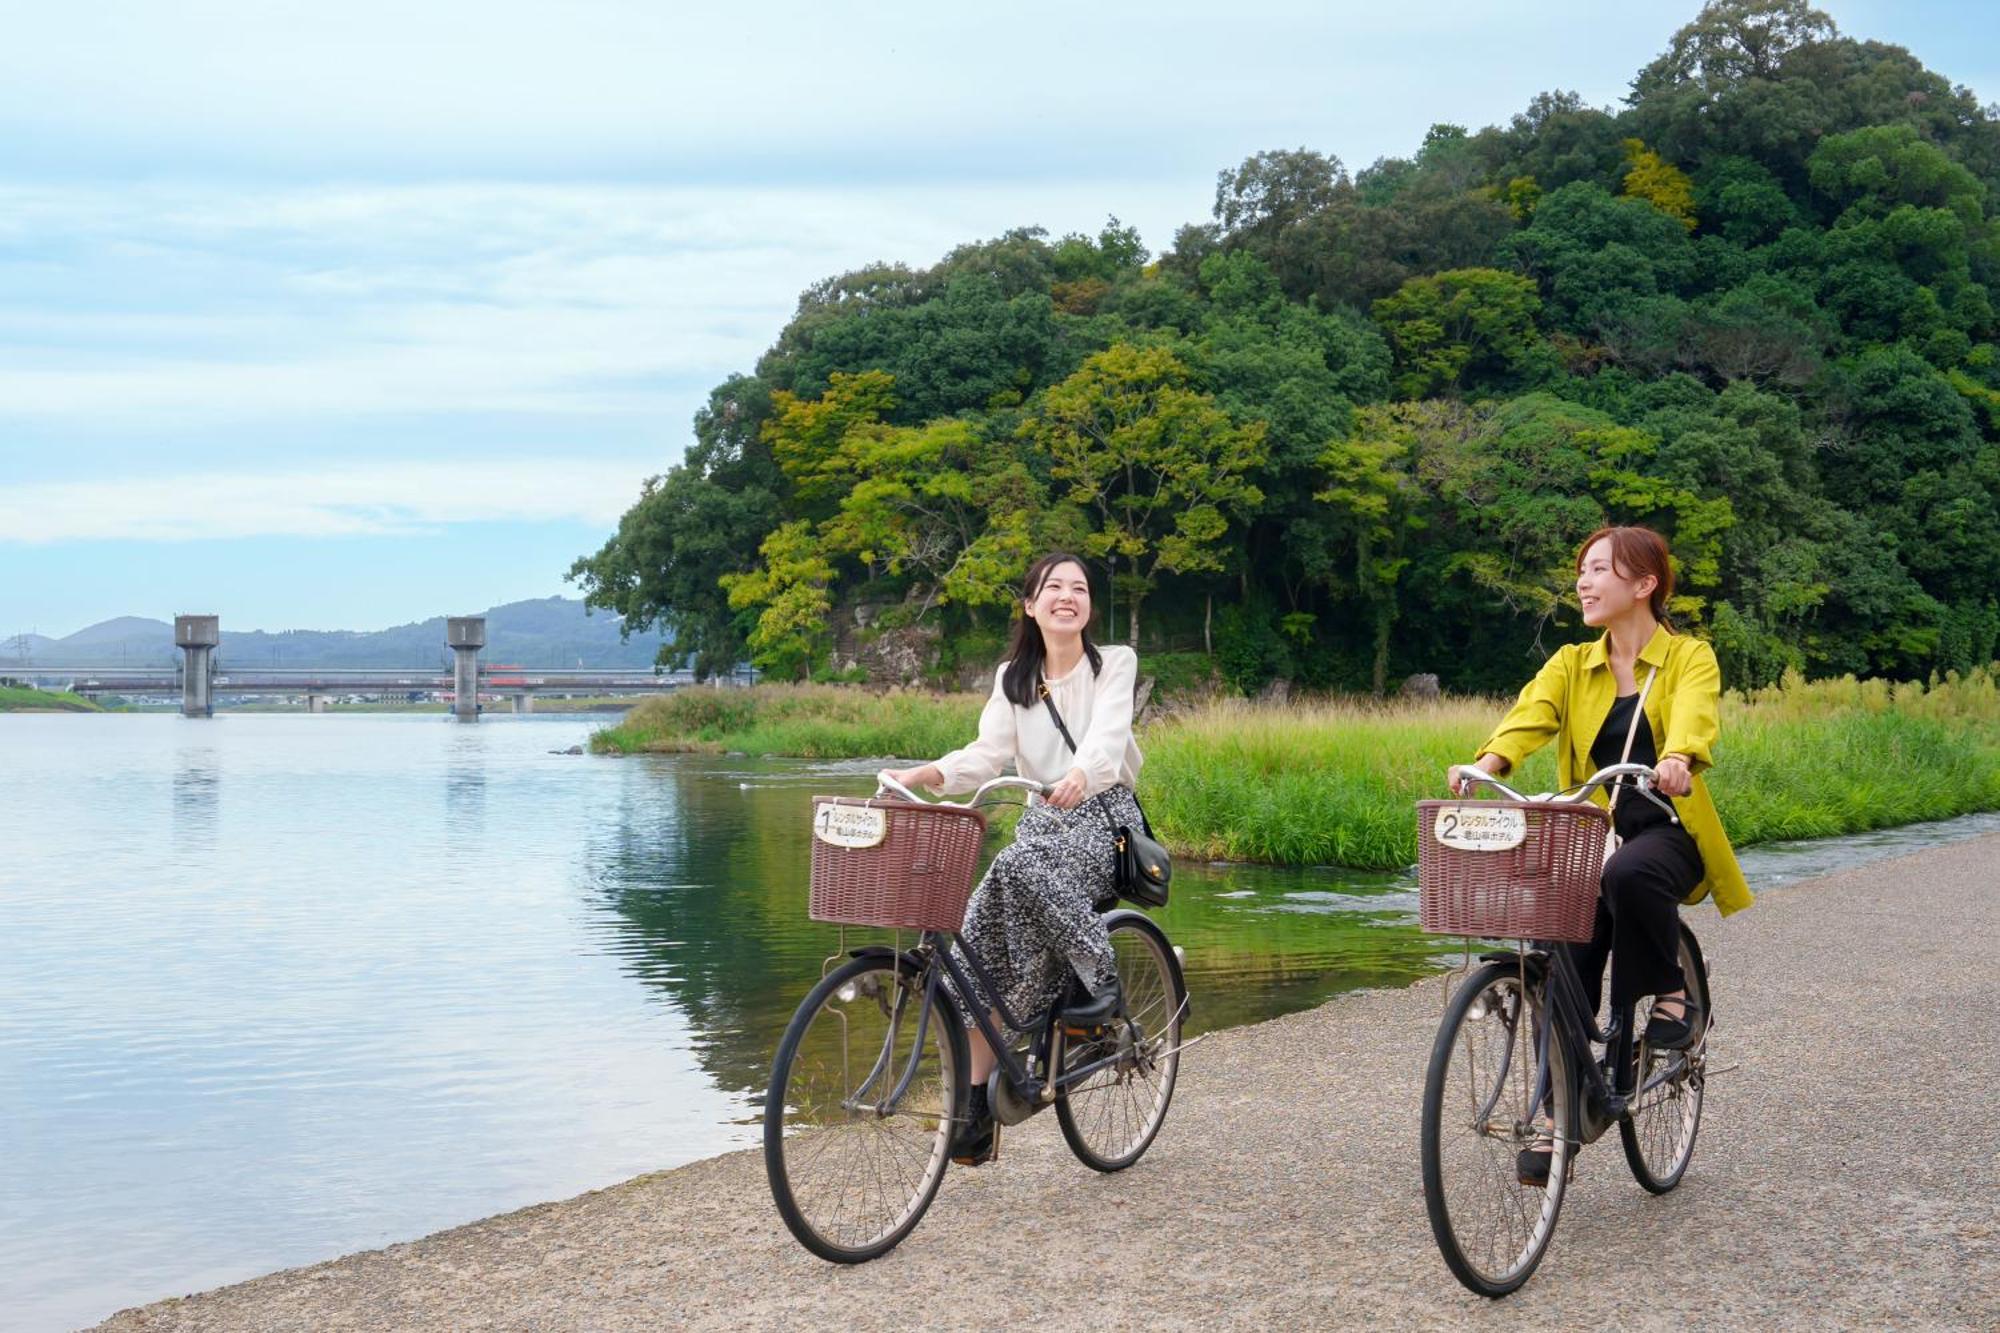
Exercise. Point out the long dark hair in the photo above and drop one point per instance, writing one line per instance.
(1635, 553)
(1027, 653)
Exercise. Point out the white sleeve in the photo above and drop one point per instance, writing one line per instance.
(988, 755)
(1101, 752)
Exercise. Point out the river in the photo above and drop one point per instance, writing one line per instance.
(278, 987)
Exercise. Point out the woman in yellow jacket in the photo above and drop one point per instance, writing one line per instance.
(1584, 698)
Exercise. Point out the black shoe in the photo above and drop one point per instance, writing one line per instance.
(1531, 1165)
(1674, 1034)
(1094, 1011)
(978, 1140)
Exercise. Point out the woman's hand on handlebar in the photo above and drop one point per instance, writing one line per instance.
(1068, 793)
(1492, 765)
(924, 775)
(1673, 776)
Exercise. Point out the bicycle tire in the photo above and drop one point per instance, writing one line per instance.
(1659, 1133)
(1112, 1118)
(1464, 1158)
(814, 1077)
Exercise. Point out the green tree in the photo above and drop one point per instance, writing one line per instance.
(702, 519)
(1372, 491)
(1160, 464)
(789, 594)
(1459, 326)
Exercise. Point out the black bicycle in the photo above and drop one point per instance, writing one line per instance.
(1521, 1061)
(869, 1086)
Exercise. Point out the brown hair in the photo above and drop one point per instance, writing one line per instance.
(1023, 676)
(1635, 553)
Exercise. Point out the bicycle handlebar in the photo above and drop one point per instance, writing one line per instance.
(883, 782)
(1642, 780)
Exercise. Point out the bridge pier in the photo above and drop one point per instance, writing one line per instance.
(317, 703)
(197, 637)
(466, 635)
(524, 702)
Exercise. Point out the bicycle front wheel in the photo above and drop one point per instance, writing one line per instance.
(858, 1120)
(1665, 1116)
(1112, 1116)
(1480, 1112)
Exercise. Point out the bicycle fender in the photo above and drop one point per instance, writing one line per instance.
(1173, 958)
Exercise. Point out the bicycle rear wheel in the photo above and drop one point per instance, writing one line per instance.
(1659, 1132)
(1111, 1117)
(1479, 1113)
(853, 1163)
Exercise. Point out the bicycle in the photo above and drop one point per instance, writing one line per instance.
(1515, 1062)
(869, 1085)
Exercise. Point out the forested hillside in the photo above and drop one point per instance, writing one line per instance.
(1353, 425)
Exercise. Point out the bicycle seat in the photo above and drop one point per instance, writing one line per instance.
(1092, 1011)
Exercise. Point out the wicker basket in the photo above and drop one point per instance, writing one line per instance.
(919, 876)
(1542, 888)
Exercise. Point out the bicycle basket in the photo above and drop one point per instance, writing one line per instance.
(893, 863)
(1509, 869)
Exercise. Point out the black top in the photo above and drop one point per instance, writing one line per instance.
(1634, 811)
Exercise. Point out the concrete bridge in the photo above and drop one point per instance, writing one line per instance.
(200, 674)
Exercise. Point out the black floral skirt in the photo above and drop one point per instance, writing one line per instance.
(1033, 920)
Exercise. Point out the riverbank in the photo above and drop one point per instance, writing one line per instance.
(25, 699)
(1332, 783)
(1283, 1190)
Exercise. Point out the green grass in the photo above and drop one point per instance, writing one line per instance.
(20, 698)
(1333, 782)
(806, 721)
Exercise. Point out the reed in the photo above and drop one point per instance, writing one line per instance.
(806, 721)
(1332, 782)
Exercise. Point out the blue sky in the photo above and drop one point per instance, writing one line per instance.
(341, 316)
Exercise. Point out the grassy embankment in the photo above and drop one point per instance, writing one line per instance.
(1333, 782)
(22, 699)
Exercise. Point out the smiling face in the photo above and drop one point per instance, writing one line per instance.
(1604, 593)
(1061, 605)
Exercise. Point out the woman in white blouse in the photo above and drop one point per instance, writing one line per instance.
(1034, 920)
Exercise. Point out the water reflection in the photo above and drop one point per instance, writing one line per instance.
(197, 798)
(464, 788)
(704, 874)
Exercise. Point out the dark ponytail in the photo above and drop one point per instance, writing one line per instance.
(1027, 652)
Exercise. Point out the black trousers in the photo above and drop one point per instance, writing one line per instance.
(1638, 916)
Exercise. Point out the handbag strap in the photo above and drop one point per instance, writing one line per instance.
(1042, 688)
(1631, 732)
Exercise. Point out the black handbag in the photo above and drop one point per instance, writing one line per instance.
(1141, 870)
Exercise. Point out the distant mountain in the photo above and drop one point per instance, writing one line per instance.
(119, 629)
(549, 632)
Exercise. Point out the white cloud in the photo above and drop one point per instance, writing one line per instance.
(341, 302)
(374, 500)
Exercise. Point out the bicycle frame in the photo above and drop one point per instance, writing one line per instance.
(1045, 1051)
(1603, 1102)
(1570, 1016)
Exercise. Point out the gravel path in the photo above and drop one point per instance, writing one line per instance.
(1284, 1188)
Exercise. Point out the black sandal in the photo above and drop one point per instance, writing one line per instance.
(1531, 1164)
(1674, 1034)
(979, 1141)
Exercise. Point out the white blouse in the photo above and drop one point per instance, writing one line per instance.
(1098, 711)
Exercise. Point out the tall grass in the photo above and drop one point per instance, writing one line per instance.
(807, 721)
(1333, 783)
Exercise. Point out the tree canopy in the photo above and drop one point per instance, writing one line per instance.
(1369, 414)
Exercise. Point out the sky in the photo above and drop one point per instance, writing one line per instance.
(344, 316)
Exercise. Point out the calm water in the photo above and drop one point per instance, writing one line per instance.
(280, 987)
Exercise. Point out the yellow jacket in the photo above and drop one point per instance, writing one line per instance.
(1572, 694)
